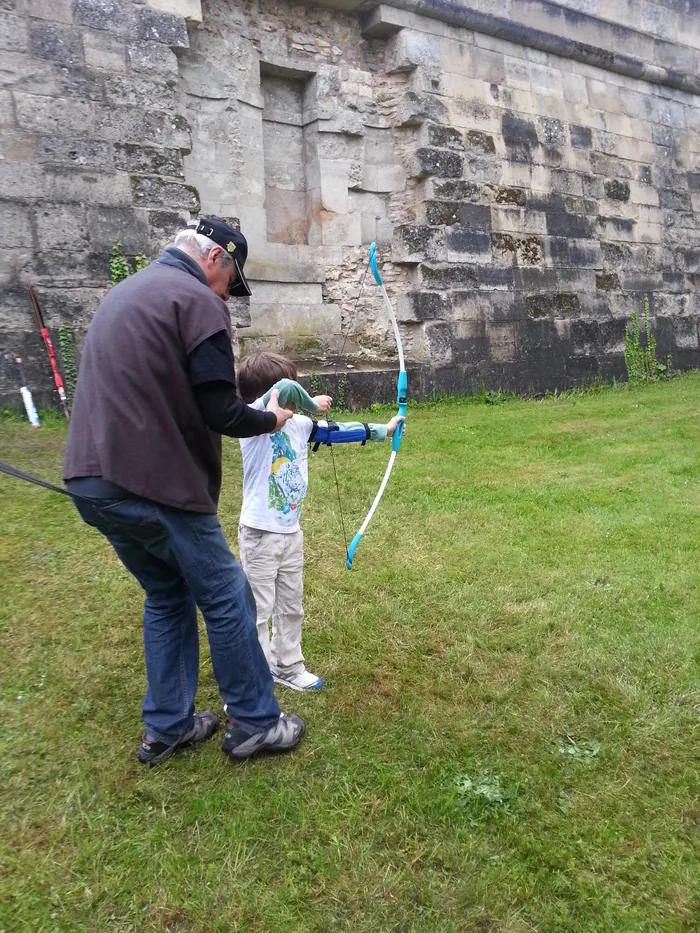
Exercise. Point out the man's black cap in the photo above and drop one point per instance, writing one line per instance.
(236, 246)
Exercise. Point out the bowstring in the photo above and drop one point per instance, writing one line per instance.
(335, 376)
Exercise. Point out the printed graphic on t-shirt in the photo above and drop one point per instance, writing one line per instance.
(287, 485)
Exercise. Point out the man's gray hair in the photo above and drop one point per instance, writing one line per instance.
(191, 241)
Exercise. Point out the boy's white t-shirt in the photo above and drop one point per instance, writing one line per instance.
(276, 475)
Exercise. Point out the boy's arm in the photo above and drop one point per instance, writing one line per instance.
(347, 432)
(291, 391)
(377, 432)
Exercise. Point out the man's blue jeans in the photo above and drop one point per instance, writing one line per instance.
(182, 560)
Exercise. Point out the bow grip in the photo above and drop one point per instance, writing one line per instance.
(401, 400)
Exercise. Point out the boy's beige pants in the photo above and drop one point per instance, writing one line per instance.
(274, 566)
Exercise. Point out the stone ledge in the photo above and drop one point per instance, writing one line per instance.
(600, 51)
(190, 10)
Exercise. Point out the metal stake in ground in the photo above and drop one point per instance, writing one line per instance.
(24, 390)
(49, 349)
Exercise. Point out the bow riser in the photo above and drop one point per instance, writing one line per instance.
(401, 400)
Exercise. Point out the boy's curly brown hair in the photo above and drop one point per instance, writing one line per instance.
(260, 371)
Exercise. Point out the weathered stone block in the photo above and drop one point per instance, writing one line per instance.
(445, 137)
(685, 332)
(673, 282)
(335, 180)
(482, 142)
(666, 136)
(455, 190)
(56, 42)
(379, 178)
(16, 228)
(152, 58)
(16, 145)
(139, 92)
(502, 342)
(57, 11)
(346, 122)
(643, 282)
(560, 305)
(422, 306)
(607, 281)
(552, 131)
(518, 131)
(675, 200)
(602, 164)
(62, 227)
(643, 194)
(85, 270)
(617, 190)
(581, 136)
(511, 196)
(408, 49)
(69, 184)
(415, 243)
(341, 229)
(150, 191)
(111, 15)
(191, 10)
(645, 175)
(19, 180)
(442, 212)
(414, 109)
(123, 124)
(437, 162)
(163, 225)
(546, 81)
(73, 151)
(439, 342)
(464, 245)
(448, 277)
(617, 229)
(105, 225)
(148, 160)
(585, 254)
(495, 278)
(475, 217)
(51, 116)
(156, 26)
(14, 36)
(79, 82)
(104, 53)
(168, 130)
(516, 220)
(592, 186)
(22, 73)
(569, 225)
(472, 306)
(516, 250)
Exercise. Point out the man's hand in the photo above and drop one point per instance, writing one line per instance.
(282, 414)
(393, 425)
(324, 403)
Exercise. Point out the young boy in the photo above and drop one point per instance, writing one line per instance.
(275, 480)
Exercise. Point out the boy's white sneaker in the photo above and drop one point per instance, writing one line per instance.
(302, 681)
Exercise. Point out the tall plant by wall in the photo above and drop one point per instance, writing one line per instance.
(640, 361)
(66, 344)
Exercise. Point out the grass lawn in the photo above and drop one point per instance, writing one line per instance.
(507, 739)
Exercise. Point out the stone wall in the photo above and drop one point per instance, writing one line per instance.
(530, 171)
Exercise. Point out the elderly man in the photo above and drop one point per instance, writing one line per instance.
(156, 390)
